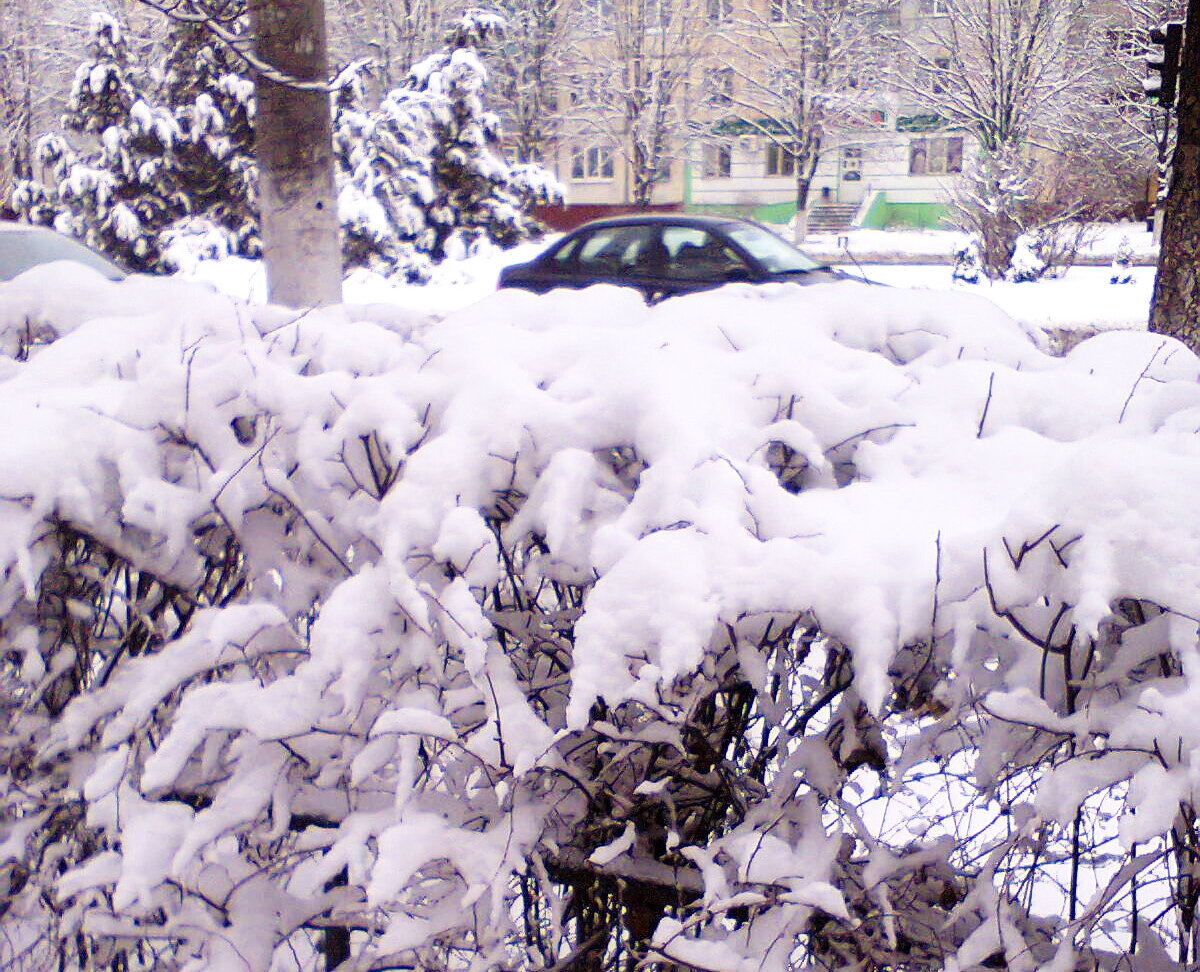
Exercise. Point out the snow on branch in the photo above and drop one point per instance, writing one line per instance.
(719, 632)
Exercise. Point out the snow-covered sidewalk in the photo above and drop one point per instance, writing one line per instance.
(919, 247)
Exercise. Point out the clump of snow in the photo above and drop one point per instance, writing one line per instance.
(487, 553)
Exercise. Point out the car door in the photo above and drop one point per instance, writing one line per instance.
(627, 255)
(698, 259)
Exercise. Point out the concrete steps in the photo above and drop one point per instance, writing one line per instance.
(831, 217)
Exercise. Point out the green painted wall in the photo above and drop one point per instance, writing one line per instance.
(776, 213)
(881, 215)
(886, 215)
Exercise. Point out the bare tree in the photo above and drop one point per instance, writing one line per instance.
(1010, 72)
(1176, 309)
(394, 33)
(635, 63)
(797, 75)
(527, 66)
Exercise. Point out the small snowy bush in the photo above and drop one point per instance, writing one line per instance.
(1025, 265)
(1122, 264)
(967, 267)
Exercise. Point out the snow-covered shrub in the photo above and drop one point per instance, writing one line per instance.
(1025, 265)
(769, 628)
(992, 201)
(1122, 263)
(967, 266)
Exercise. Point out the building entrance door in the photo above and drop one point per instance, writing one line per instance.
(850, 174)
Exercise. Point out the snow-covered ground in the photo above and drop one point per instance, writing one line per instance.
(1083, 300)
(919, 246)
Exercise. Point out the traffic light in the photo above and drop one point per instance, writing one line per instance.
(1162, 88)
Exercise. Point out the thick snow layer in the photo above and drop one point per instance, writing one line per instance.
(1083, 300)
(906, 467)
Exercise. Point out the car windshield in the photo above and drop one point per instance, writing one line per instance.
(776, 255)
(22, 249)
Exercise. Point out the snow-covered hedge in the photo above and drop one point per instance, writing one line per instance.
(755, 627)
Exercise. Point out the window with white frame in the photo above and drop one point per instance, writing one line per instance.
(937, 8)
(594, 162)
(780, 162)
(936, 155)
(719, 11)
(718, 161)
(718, 85)
(939, 75)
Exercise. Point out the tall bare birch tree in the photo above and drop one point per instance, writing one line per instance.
(637, 58)
(802, 72)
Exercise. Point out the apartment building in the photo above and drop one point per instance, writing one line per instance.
(882, 155)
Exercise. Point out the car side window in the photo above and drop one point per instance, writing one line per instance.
(562, 258)
(621, 251)
(696, 254)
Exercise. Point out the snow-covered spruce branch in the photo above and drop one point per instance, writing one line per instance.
(224, 29)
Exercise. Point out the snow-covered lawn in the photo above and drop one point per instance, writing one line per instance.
(1083, 300)
(918, 246)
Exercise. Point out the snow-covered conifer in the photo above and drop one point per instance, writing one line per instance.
(385, 187)
(422, 176)
(475, 194)
(213, 104)
(120, 195)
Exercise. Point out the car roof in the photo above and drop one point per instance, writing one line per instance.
(24, 245)
(698, 220)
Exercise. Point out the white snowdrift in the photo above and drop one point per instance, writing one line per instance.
(929, 435)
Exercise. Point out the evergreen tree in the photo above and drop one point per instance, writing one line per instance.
(423, 175)
(213, 104)
(119, 197)
(385, 184)
(474, 197)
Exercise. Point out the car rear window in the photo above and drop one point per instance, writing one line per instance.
(617, 249)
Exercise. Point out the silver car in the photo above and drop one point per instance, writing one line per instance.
(23, 246)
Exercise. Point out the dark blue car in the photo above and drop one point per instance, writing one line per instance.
(666, 255)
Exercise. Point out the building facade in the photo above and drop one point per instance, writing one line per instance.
(883, 157)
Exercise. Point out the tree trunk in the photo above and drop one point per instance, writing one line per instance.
(294, 149)
(1176, 308)
(800, 224)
